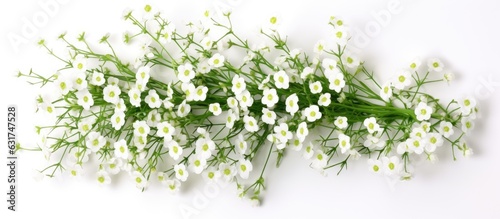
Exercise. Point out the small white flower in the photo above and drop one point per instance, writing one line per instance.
(351, 61)
(165, 130)
(140, 181)
(173, 185)
(319, 47)
(312, 113)
(142, 75)
(140, 141)
(64, 85)
(337, 82)
(403, 148)
(103, 178)
(418, 133)
(113, 81)
(204, 67)
(270, 97)
(435, 65)
(197, 163)
(375, 165)
(84, 126)
(95, 141)
(386, 91)
(273, 23)
(120, 105)
(200, 93)
(341, 122)
(391, 165)
(166, 34)
(416, 145)
(244, 168)
(174, 149)
(216, 61)
(112, 94)
(190, 90)
(180, 172)
(433, 140)
(415, 64)
(282, 132)
(281, 80)
(230, 119)
(306, 72)
(239, 84)
(467, 151)
(80, 64)
(302, 131)
(205, 147)
(135, 97)
(295, 143)
(315, 87)
(292, 104)
(372, 125)
(227, 171)
(232, 103)
(215, 109)
(183, 109)
(423, 111)
(467, 105)
(245, 99)
(344, 143)
(467, 124)
(250, 124)
(75, 170)
(325, 99)
(97, 79)
(341, 35)
(85, 99)
(241, 144)
(206, 43)
(329, 64)
(153, 118)
(268, 116)
(186, 72)
(426, 126)
(121, 149)
(118, 120)
(308, 151)
(402, 80)
(320, 160)
(153, 100)
(446, 129)
(80, 81)
(448, 76)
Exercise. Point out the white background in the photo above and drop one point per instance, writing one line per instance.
(462, 33)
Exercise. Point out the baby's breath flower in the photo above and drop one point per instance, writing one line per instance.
(292, 104)
(183, 109)
(351, 61)
(325, 99)
(186, 72)
(433, 140)
(103, 178)
(467, 105)
(308, 151)
(239, 84)
(423, 111)
(215, 109)
(268, 116)
(281, 80)
(341, 122)
(306, 72)
(312, 113)
(180, 172)
(467, 124)
(337, 82)
(118, 120)
(141, 128)
(416, 145)
(95, 141)
(344, 143)
(435, 65)
(250, 124)
(64, 85)
(197, 163)
(269, 98)
(386, 91)
(282, 132)
(302, 131)
(315, 87)
(165, 130)
(153, 100)
(85, 99)
(319, 47)
(140, 181)
(375, 165)
(112, 93)
(391, 165)
(216, 61)
(244, 168)
(121, 149)
(446, 129)
(402, 80)
(173, 185)
(320, 160)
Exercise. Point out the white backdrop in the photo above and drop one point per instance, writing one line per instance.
(462, 33)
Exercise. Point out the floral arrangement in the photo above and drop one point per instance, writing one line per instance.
(201, 99)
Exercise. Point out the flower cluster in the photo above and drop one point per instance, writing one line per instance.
(182, 105)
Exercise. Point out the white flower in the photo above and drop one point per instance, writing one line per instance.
(386, 91)
(180, 172)
(282, 132)
(244, 168)
(241, 144)
(85, 125)
(344, 143)
(140, 141)
(467, 124)
(296, 143)
(433, 140)
(211, 174)
(302, 131)
(217, 60)
(140, 181)
(80, 81)
(64, 85)
(402, 80)
(239, 84)
(75, 170)
(467, 105)
(121, 149)
(306, 72)
(95, 141)
(166, 34)
(341, 122)
(189, 89)
(186, 72)
(113, 81)
(80, 64)
(320, 160)
(423, 111)
(418, 133)
(173, 185)
(351, 61)
(165, 130)
(329, 64)
(230, 119)
(281, 80)
(270, 97)
(292, 104)
(118, 120)
(426, 126)
(204, 67)
(197, 163)
(325, 99)
(373, 142)
(153, 100)
(416, 145)
(232, 103)
(141, 128)
(315, 87)
(120, 105)
(250, 124)
(341, 35)
(446, 129)
(153, 118)
(174, 150)
(403, 148)
(103, 178)
(435, 65)
(273, 23)
(415, 64)
(337, 82)
(206, 43)
(319, 47)
(268, 116)
(448, 76)
(135, 97)
(205, 147)
(372, 125)
(227, 171)
(112, 94)
(183, 109)
(85, 99)
(375, 165)
(391, 165)
(309, 151)
(97, 79)
(245, 99)
(312, 113)
(215, 109)
(200, 93)
(142, 75)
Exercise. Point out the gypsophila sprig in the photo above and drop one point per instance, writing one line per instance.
(182, 106)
